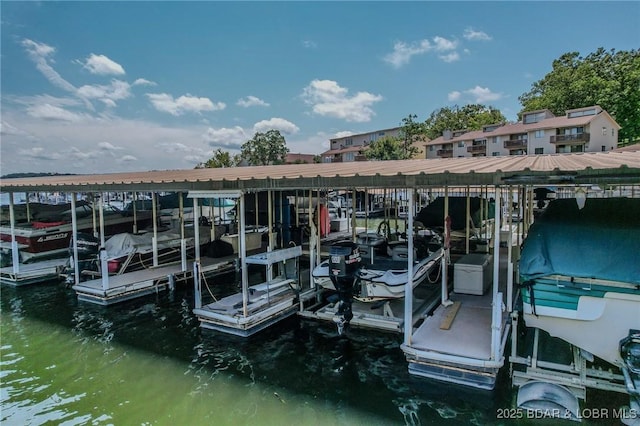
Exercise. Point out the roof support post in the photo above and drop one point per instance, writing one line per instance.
(74, 238)
(408, 288)
(15, 255)
(496, 322)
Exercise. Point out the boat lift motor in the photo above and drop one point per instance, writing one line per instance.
(88, 249)
(630, 353)
(344, 262)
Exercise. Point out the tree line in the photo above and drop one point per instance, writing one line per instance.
(610, 79)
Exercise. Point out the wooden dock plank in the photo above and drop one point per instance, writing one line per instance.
(449, 316)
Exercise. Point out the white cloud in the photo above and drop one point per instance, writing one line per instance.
(143, 82)
(226, 137)
(39, 54)
(454, 96)
(250, 101)
(106, 146)
(450, 57)
(39, 153)
(186, 103)
(53, 112)
(471, 34)
(275, 123)
(309, 44)
(115, 91)
(403, 52)
(442, 44)
(101, 65)
(483, 94)
(343, 134)
(327, 98)
(127, 159)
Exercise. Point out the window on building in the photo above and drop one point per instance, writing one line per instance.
(460, 144)
(348, 141)
(494, 139)
(539, 134)
(582, 113)
(604, 148)
(495, 154)
(348, 156)
(431, 148)
(604, 131)
(613, 131)
(538, 151)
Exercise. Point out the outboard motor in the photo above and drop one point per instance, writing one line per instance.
(344, 262)
(88, 248)
(630, 353)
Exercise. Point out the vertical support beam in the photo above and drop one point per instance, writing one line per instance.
(319, 231)
(15, 254)
(197, 294)
(408, 288)
(353, 214)
(135, 212)
(196, 230)
(74, 237)
(242, 252)
(496, 299)
(270, 219)
(468, 216)
(104, 266)
(510, 252)
(154, 240)
(312, 236)
(183, 240)
(445, 266)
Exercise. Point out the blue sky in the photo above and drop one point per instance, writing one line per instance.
(101, 87)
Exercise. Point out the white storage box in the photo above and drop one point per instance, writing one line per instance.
(473, 274)
(252, 239)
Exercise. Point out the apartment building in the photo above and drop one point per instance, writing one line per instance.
(348, 148)
(586, 129)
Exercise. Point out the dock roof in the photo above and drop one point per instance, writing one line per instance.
(592, 168)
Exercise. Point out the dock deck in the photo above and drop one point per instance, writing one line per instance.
(148, 281)
(32, 273)
(436, 350)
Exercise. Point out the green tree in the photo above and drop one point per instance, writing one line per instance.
(468, 117)
(220, 159)
(607, 78)
(386, 148)
(265, 148)
(411, 131)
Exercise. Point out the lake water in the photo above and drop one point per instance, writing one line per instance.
(148, 362)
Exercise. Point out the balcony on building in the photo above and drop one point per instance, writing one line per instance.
(445, 153)
(576, 139)
(515, 144)
(477, 148)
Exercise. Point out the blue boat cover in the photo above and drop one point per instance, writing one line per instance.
(600, 241)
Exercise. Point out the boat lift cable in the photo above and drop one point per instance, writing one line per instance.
(203, 279)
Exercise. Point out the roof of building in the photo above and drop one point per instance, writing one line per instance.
(593, 168)
(520, 127)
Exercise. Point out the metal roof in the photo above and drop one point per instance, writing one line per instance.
(593, 168)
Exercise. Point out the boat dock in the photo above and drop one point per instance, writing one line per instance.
(119, 288)
(32, 273)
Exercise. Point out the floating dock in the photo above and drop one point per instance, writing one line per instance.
(259, 306)
(148, 281)
(32, 273)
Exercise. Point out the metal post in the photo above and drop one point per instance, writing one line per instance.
(104, 266)
(497, 300)
(154, 240)
(15, 255)
(468, 216)
(196, 230)
(135, 212)
(74, 236)
(447, 250)
(242, 250)
(196, 285)
(408, 289)
(183, 241)
(510, 253)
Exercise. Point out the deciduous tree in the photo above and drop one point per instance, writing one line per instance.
(468, 117)
(265, 148)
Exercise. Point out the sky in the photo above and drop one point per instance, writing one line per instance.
(107, 87)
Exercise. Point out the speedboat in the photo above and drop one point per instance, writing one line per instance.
(383, 272)
(580, 275)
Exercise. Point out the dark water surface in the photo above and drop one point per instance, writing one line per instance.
(148, 362)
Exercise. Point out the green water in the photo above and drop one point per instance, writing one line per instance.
(148, 362)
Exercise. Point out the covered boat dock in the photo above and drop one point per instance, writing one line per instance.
(436, 343)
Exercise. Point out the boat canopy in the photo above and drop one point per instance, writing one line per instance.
(601, 241)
